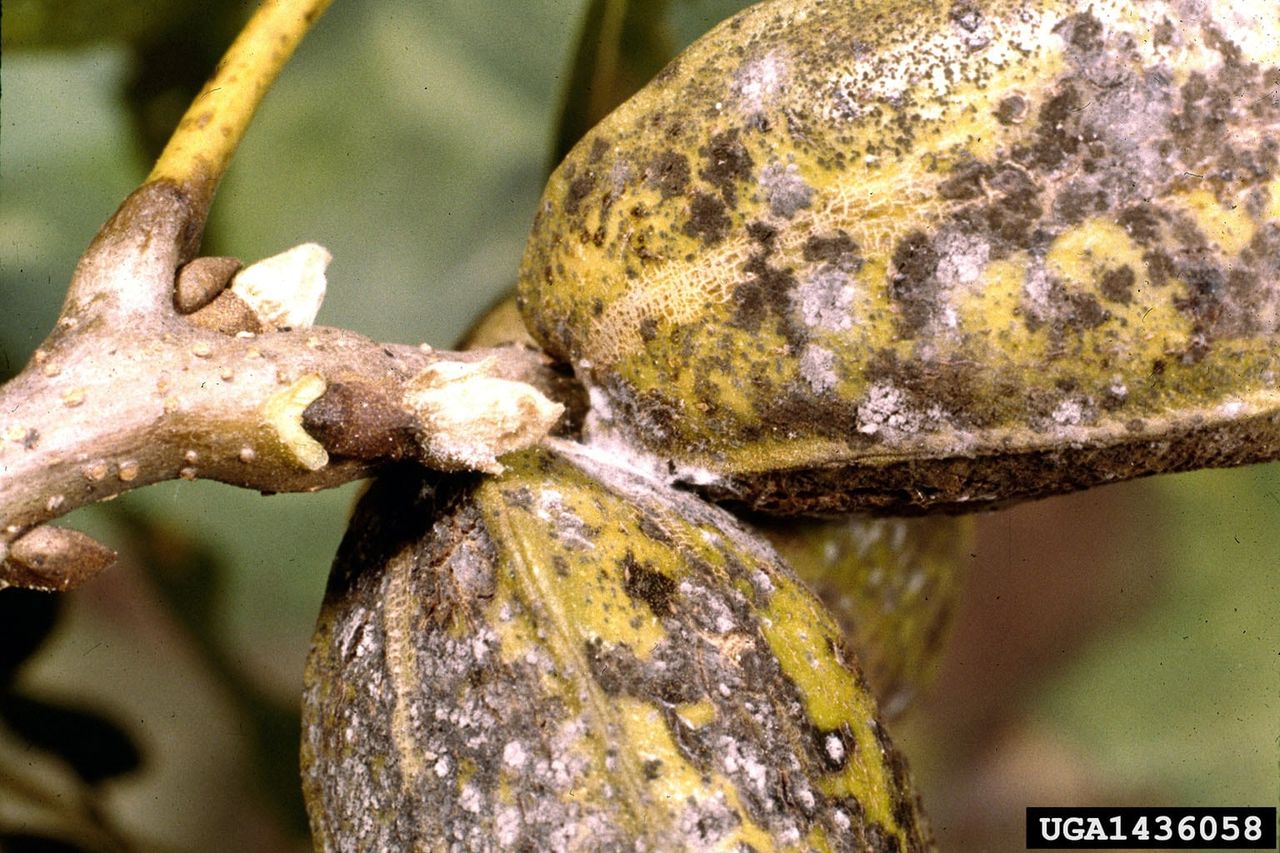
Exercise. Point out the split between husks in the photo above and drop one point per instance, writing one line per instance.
(900, 255)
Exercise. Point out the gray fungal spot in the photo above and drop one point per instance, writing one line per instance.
(824, 298)
(817, 368)
(786, 189)
(961, 259)
(887, 409)
(757, 81)
(835, 748)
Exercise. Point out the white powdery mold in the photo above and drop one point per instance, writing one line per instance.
(285, 291)
(885, 409)
(1069, 412)
(469, 418)
(1037, 291)
(514, 754)
(757, 80)
(817, 368)
(604, 444)
(507, 825)
(961, 259)
(824, 299)
(471, 799)
(1231, 408)
(786, 189)
(620, 174)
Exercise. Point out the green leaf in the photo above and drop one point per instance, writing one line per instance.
(622, 45)
(94, 746)
(190, 576)
(75, 23)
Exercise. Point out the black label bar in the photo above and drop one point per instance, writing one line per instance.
(1140, 828)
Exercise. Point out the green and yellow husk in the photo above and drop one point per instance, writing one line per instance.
(901, 255)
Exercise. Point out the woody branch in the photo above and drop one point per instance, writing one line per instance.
(166, 366)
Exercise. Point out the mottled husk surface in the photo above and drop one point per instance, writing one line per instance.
(892, 585)
(902, 255)
(571, 656)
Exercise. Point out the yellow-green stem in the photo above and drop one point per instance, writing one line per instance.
(201, 147)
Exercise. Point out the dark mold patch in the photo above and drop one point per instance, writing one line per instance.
(727, 163)
(838, 249)
(767, 290)
(669, 678)
(1083, 310)
(1082, 31)
(649, 329)
(1077, 202)
(1057, 132)
(1117, 284)
(948, 385)
(1206, 289)
(641, 581)
(1160, 267)
(912, 284)
(1011, 110)
(560, 565)
(669, 172)
(599, 147)
(579, 188)
(707, 219)
(819, 414)
(1012, 215)
(1141, 223)
(965, 181)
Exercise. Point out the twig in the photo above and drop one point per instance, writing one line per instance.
(200, 149)
(129, 390)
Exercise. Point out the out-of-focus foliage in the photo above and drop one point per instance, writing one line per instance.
(76, 23)
(621, 45)
(91, 747)
(1115, 646)
(606, 68)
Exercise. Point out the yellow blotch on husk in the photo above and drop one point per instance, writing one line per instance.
(1229, 226)
(892, 585)
(805, 641)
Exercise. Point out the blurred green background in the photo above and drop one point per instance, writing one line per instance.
(1117, 647)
